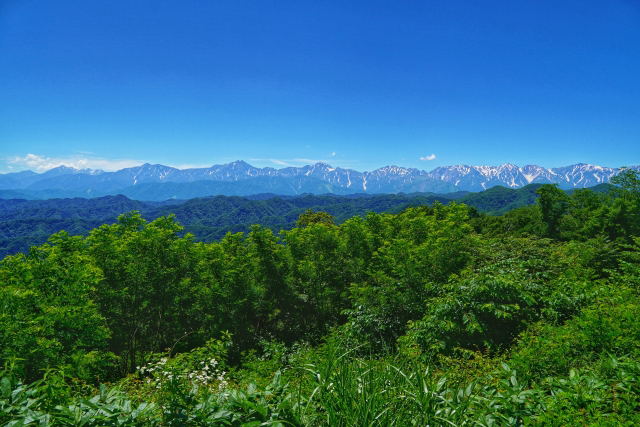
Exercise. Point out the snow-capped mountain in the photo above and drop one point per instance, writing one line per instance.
(535, 173)
(583, 175)
(320, 176)
(478, 178)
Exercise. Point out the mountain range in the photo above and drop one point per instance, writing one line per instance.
(159, 182)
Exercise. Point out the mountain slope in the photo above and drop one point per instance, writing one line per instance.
(499, 200)
(159, 182)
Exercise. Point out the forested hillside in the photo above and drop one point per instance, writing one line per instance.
(26, 223)
(434, 315)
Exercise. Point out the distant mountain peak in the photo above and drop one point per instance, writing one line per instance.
(63, 168)
(387, 179)
(240, 163)
(395, 170)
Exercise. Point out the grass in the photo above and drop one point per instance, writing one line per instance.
(342, 389)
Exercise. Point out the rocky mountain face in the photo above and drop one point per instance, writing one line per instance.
(241, 178)
(582, 175)
(479, 178)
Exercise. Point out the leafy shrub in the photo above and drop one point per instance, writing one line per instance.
(476, 312)
(611, 325)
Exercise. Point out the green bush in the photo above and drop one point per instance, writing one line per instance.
(611, 325)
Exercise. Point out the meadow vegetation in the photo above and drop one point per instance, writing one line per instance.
(436, 315)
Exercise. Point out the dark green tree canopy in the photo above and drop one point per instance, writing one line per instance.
(310, 217)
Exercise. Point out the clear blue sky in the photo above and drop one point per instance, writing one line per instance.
(358, 84)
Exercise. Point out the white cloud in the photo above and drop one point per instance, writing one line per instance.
(42, 164)
(191, 166)
(306, 161)
(332, 154)
(281, 162)
(296, 162)
(425, 158)
(287, 162)
(274, 161)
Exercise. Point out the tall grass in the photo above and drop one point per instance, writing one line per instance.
(342, 390)
(357, 391)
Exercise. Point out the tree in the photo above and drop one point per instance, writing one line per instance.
(622, 221)
(311, 217)
(629, 182)
(146, 268)
(320, 271)
(553, 204)
(47, 314)
(414, 254)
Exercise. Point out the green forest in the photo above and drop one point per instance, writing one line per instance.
(26, 223)
(434, 315)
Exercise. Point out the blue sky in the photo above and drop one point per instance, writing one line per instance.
(357, 84)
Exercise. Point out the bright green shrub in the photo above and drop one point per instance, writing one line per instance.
(611, 325)
(47, 314)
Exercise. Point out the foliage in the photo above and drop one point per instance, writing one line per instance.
(25, 223)
(47, 315)
(415, 254)
(311, 217)
(553, 204)
(145, 269)
(434, 315)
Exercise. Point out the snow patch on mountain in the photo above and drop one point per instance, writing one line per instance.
(388, 179)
